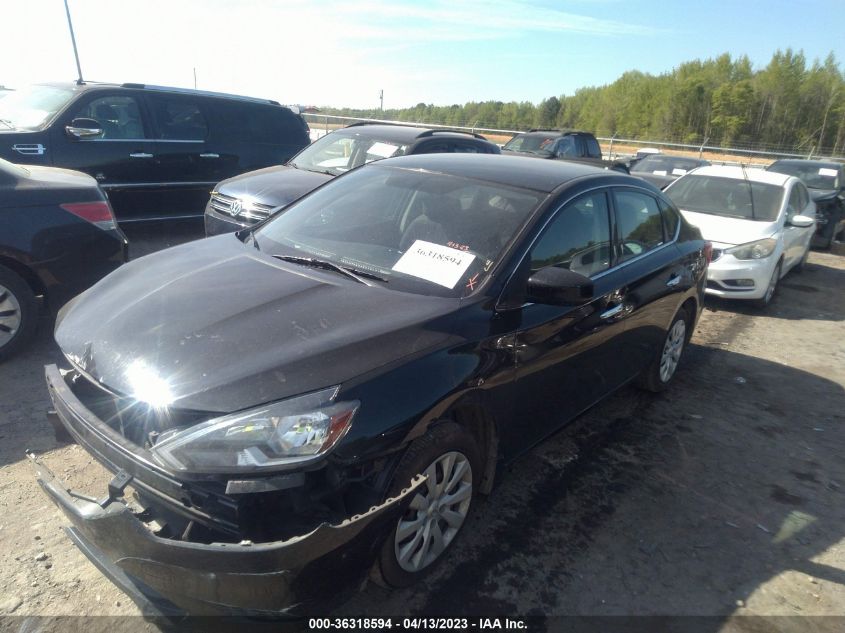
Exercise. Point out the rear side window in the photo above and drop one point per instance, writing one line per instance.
(255, 123)
(578, 238)
(593, 148)
(671, 220)
(639, 224)
(178, 119)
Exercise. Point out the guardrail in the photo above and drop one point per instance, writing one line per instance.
(331, 121)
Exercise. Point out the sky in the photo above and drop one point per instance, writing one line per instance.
(317, 52)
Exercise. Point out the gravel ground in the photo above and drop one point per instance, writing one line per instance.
(723, 496)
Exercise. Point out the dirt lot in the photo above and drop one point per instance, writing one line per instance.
(723, 496)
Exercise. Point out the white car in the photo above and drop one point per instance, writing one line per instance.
(760, 224)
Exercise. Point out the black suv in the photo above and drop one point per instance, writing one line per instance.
(572, 145)
(250, 198)
(156, 151)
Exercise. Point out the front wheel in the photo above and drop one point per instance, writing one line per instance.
(448, 457)
(766, 299)
(662, 369)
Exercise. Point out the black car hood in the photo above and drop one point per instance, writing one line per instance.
(276, 186)
(823, 195)
(661, 182)
(227, 327)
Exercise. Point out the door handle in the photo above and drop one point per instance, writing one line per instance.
(674, 280)
(210, 155)
(140, 155)
(612, 312)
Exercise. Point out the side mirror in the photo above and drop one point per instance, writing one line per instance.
(559, 287)
(801, 221)
(84, 128)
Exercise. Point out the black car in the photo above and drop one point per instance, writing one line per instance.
(662, 170)
(244, 200)
(327, 392)
(58, 237)
(156, 151)
(826, 182)
(574, 145)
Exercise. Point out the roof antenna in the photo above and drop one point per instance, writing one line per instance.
(79, 81)
(750, 190)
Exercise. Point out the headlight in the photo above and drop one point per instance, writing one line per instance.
(265, 438)
(754, 250)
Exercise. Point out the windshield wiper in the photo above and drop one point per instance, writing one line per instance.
(352, 273)
(7, 123)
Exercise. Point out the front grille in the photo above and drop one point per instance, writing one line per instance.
(238, 208)
(136, 421)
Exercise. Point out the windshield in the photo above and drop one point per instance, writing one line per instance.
(31, 107)
(422, 232)
(727, 196)
(526, 143)
(341, 151)
(814, 175)
(661, 165)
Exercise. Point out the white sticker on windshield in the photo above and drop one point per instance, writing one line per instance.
(825, 171)
(385, 150)
(678, 171)
(659, 172)
(433, 262)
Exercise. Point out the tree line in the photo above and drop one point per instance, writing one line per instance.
(790, 105)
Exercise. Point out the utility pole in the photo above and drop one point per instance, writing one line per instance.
(195, 77)
(73, 41)
(381, 100)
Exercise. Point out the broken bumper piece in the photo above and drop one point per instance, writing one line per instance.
(171, 578)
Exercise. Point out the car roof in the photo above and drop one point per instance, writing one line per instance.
(402, 133)
(810, 163)
(512, 171)
(738, 173)
(551, 132)
(98, 85)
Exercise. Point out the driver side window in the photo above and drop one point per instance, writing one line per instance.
(578, 238)
(119, 117)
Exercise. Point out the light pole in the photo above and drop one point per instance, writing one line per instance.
(73, 41)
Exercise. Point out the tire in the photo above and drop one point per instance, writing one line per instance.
(18, 313)
(663, 368)
(446, 445)
(771, 289)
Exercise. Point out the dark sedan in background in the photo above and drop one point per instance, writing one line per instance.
(244, 200)
(324, 395)
(826, 182)
(58, 237)
(662, 170)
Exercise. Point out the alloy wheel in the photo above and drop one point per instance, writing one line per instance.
(10, 315)
(672, 349)
(435, 515)
(773, 282)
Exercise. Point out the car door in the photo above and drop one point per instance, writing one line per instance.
(120, 158)
(569, 357)
(795, 238)
(646, 228)
(183, 166)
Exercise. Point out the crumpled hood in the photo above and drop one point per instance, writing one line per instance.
(732, 231)
(226, 327)
(277, 186)
(823, 195)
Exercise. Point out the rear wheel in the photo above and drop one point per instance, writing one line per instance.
(18, 313)
(448, 457)
(662, 369)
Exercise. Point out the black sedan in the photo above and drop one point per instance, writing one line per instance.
(323, 395)
(826, 182)
(59, 237)
(662, 170)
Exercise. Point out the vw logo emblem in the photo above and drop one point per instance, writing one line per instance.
(237, 207)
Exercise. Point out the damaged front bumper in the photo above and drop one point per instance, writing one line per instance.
(171, 578)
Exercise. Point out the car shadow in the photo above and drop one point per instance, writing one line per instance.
(680, 504)
(808, 295)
